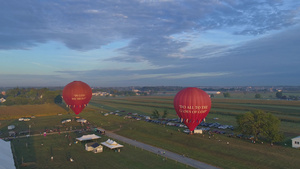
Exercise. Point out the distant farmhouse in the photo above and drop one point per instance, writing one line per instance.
(101, 94)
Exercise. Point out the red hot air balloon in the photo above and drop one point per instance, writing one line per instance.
(192, 105)
(77, 95)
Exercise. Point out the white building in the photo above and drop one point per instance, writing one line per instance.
(197, 131)
(296, 142)
(94, 147)
(2, 100)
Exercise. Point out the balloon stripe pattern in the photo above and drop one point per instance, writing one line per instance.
(192, 105)
(77, 95)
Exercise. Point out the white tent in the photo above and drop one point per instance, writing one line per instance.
(88, 137)
(6, 156)
(296, 142)
(10, 127)
(111, 144)
(81, 120)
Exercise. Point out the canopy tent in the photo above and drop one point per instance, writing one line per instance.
(6, 156)
(88, 137)
(100, 130)
(111, 144)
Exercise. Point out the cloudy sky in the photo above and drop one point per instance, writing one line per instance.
(150, 42)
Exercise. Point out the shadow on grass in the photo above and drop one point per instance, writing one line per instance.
(24, 152)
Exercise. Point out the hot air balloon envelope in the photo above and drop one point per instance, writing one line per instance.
(192, 105)
(77, 95)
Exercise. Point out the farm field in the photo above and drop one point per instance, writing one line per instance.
(226, 112)
(14, 112)
(218, 150)
(287, 111)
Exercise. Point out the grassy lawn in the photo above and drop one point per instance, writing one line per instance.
(36, 152)
(238, 153)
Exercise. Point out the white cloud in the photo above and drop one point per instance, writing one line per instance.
(93, 11)
(164, 39)
(121, 16)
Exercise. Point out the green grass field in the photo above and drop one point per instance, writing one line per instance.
(36, 152)
(14, 112)
(225, 109)
(239, 153)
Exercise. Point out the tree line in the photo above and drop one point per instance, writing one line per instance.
(23, 96)
(280, 95)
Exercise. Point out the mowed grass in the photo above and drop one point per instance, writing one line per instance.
(239, 153)
(36, 152)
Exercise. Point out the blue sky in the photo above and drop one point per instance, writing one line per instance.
(150, 42)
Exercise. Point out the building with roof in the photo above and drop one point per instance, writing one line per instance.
(94, 147)
(100, 130)
(296, 142)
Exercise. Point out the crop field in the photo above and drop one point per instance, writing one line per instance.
(225, 110)
(215, 149)
(14, 112)
(242, 154)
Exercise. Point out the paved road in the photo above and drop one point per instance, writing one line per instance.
(162, 152)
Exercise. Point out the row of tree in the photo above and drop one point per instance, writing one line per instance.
(22, 96)
(291, 97)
